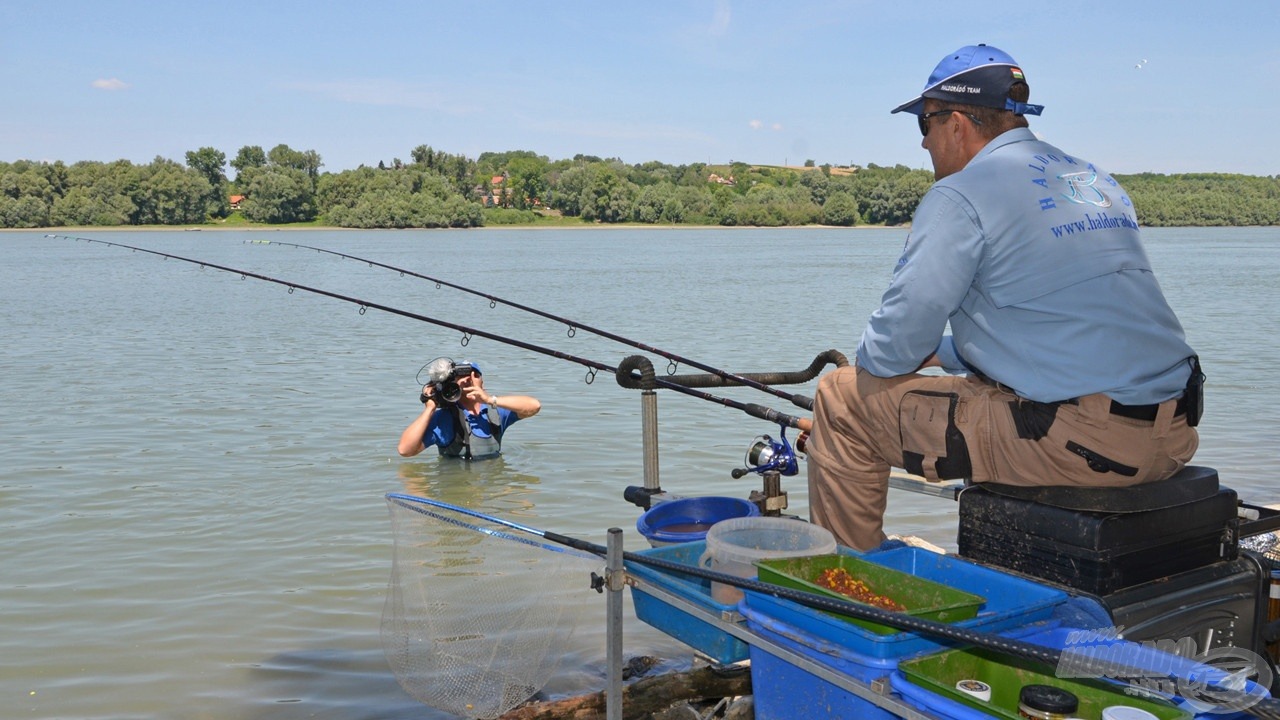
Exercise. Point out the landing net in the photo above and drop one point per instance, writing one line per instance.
(478, 615)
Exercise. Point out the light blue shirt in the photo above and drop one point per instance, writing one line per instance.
(1033, 256)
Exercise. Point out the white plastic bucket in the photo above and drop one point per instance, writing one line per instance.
(734, 545)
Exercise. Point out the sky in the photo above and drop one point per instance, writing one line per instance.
(1134, 86)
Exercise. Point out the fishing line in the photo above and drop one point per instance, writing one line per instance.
(800, 401)
(632, 375)
(1080, 657)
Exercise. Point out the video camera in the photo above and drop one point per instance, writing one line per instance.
(442, 379)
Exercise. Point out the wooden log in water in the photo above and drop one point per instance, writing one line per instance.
(644, 697)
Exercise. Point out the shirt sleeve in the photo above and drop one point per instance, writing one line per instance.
(949, 357)
(508, 417)
(439, 430)
(936, 270)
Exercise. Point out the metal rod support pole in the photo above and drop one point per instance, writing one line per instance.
(616, 581)
(649, 434)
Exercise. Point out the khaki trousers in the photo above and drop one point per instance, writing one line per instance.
(949, 426)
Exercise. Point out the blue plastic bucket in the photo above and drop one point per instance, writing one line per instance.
(689, 519)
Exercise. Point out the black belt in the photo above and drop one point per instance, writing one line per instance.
(1146, 412)
(1133, 412)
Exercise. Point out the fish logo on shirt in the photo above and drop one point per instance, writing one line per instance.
(1083, 189)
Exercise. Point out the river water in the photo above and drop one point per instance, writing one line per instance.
(193, 464)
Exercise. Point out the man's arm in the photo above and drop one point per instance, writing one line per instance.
(411, 438)
(523, 406)
(934, 274)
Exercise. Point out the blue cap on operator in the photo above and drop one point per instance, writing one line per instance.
(973, 75)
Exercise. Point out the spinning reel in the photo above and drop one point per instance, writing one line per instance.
(766, 454)
(771, 459)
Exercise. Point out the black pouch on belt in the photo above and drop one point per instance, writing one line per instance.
(1032, 419)
(1195, 392)
(932, 444)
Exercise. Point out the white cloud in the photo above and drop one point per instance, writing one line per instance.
(755, 124)
(110, 84)
(720, 19)
(775, 127)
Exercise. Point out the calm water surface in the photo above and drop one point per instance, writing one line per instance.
(192, 465)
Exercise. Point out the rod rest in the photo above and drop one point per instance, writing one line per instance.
(628, 378)
(832, 357)
(635, 372)
(1192, 483)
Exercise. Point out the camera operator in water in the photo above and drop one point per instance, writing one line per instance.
(459, 416)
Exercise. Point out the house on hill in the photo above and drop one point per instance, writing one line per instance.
(494, 193)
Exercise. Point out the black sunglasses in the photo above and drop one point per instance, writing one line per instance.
(923, 119)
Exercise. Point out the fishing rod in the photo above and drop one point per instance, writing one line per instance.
(759, 411)
(1219, 688)
(757, 381)
(819, 602)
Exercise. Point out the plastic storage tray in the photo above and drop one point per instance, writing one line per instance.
(1012, 602)
(1088, 651)
(938, 674)
(689, 629)
(919, 597)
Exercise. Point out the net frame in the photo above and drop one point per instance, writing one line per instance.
(477, 616)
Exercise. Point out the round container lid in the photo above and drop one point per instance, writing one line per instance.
(745, 540)
(1049, 699)
(1126, 712)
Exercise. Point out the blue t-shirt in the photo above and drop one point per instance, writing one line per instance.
(442, 428)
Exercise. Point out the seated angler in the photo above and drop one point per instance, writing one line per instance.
(1068, 367)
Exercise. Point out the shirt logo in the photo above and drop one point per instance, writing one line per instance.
(1083, 189)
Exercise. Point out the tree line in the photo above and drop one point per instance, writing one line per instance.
(435, 189)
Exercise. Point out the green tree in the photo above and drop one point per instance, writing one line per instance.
(23, 212)
(840, 209)
(605, 196)
(527, 180)
(210, 162)
(247, 158)
(91, 205)
(169, 194)
(278, 195)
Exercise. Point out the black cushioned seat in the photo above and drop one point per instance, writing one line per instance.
(1190, 484)
(1101, 540)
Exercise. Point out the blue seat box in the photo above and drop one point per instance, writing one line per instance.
(1011, 602)
(698, 634)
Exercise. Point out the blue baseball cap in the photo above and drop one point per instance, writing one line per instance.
(973, 75)
(472, 365)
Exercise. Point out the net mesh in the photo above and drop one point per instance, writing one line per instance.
(477, 614)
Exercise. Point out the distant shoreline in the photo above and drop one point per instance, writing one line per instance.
(335, 228)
